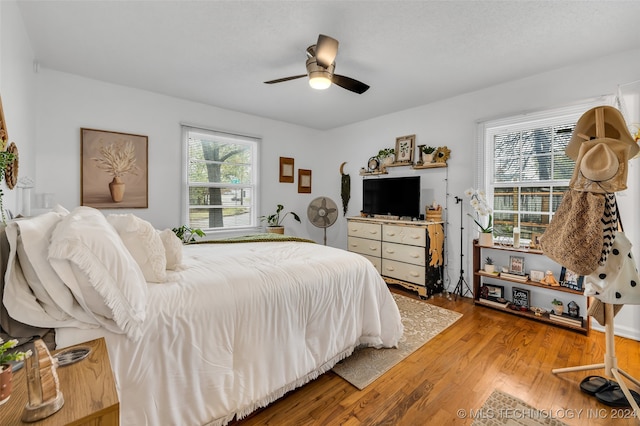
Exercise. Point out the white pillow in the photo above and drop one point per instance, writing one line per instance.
(144, 244)
(172, 249)
(88, 254)
(34, 293)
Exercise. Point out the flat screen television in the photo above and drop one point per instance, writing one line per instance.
(392, 196)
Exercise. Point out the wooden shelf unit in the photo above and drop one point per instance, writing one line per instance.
(479, 274)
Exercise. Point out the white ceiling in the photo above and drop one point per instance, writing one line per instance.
(410, 52)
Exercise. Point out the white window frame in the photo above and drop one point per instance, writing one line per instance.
(548, 118)
(255, 143)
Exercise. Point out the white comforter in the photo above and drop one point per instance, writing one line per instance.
(240, 326)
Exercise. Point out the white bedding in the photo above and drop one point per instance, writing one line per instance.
(241, 325)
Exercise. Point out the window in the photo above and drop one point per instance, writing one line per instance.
(221, 180)
(527, 171)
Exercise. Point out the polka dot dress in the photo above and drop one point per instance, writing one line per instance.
(617, 281)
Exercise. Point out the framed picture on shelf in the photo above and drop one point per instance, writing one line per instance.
(535, 241)
(516, 265)
(570, 279)
(492, 292)
(405, 145)
(536, 276)
(521, 297)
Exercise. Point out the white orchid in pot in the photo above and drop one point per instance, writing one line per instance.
(478, 200)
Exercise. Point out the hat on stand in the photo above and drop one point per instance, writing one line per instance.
(601, 145)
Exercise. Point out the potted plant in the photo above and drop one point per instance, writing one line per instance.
(387, 156)
(427, 154)
(274, 221)
(489, 267)
(481, 206)
(187, 234)
(6, 374)
(558, 307)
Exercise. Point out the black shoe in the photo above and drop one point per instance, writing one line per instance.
(595, 384)
(614, 397)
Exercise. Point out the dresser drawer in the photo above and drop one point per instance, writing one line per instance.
(371, 231)
(364, 246)
(404, 253)
(414, 236)
(403, 271)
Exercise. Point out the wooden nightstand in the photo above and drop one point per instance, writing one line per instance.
(88, 386)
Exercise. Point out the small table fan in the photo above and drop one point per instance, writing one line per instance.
(322, 212)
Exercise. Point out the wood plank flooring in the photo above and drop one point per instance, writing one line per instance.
(458, 369)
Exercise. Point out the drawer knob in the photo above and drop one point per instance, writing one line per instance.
(354, 245)
(391, 234)
(415, 237)
(414, 274)
(415, 255)
(390, 268)
(373, 248)
(390, 251)
(373, 232)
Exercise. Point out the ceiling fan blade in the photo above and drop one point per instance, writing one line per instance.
(350, 84)
(280, 80)
(326, 50)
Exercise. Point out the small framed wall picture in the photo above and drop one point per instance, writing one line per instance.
(516, 265)
(286, 169)
(405, 145)
(304, 181)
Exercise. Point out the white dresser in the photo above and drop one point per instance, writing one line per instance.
(406, 253)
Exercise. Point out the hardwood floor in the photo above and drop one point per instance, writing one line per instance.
(458, 370)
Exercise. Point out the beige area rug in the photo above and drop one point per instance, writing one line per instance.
(502, 409)
(421, 321)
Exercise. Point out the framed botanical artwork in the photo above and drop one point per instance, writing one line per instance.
(405, 145)
(113, 169)
(570, 279)
(492, 292)
(304, 181)
(516, 265)
(286, 169)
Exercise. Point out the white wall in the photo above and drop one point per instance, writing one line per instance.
(17, 89)
(67, 103)
(453, 122)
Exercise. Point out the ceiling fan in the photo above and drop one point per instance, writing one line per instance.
(320, 67)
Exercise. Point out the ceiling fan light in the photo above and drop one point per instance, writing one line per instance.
(319, 80)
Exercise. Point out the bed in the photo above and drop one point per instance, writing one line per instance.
(227, 329)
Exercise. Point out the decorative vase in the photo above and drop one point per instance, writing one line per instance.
(485, 239)
(6, 376)
(558, 309)
(275, 229)
(116, 187)
(490, 269)
(427, 158)
(388, 160)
